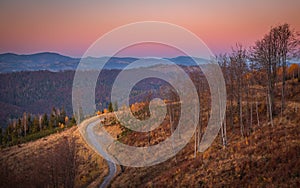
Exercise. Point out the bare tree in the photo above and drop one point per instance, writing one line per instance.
(238, 65)
(272, 52)
(223, 63)
(25, 123)
(287, 48)
(40, 122)
(263, 53)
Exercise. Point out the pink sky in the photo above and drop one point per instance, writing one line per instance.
(70, 27)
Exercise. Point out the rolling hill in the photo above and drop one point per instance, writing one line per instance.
(54, 62)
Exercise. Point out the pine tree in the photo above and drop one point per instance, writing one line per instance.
(45, 121)
(35, 125)
(62, 115)
(110, 107)
(73, 121)
(29, 123)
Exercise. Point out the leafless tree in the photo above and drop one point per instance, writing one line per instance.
(25, 123)
(272, 52)
(263, 54)
(223, 62)
(238, 66)
(287, 48)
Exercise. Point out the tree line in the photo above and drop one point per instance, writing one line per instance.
(30, 127)
(261, 68)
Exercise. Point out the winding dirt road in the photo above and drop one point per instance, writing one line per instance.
(93, 141)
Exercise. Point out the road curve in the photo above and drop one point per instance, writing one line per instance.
(92, 140)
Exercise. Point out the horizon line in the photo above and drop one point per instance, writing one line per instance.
(73, 57)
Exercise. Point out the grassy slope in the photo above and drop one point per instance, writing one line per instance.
(270, 156)
(28, 165)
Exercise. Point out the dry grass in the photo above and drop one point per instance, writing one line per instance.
(30, 164)
(268, 157)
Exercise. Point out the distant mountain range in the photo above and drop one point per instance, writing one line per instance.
(10, 62)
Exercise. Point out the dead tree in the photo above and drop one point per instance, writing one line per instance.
(238, 64)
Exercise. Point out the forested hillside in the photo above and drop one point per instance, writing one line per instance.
(38, 92)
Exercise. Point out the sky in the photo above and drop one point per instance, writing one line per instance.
(69, 27)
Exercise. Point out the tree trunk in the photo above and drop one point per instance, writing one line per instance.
(283, 84)
(257, 116)
(270, 109)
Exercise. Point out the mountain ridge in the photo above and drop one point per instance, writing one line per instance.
(55, 62)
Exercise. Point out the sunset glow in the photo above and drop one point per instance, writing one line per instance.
(71, 27)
